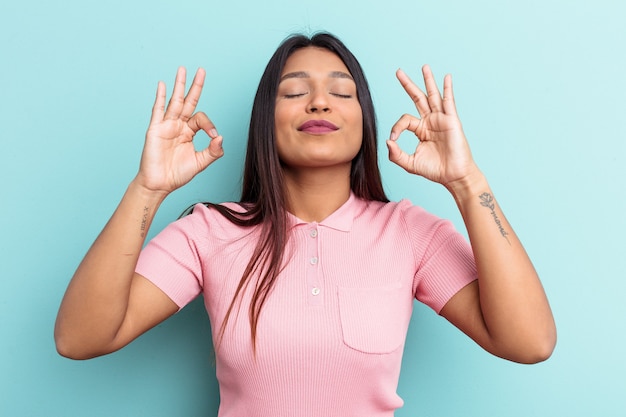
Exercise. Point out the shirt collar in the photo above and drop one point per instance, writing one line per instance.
(341, 219)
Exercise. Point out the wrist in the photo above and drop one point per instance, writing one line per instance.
(469, 186)
(150, 196)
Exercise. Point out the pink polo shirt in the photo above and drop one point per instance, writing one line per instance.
(331, 334)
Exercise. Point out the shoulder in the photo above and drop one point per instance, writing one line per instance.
(406, 222)
(400, 212)
(212, 219)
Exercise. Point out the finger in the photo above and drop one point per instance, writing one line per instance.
(211, 153)
(398, 156)
(449, 106)
(201, 121)
(434, 97)
(158, 110)
(193, 96)
(175, 106)
(417, 95)
(208, 155)
(406, 122)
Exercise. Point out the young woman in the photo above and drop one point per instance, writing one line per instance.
(309, 280)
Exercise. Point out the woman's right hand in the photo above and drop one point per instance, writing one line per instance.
(169, 158)
(107, 303)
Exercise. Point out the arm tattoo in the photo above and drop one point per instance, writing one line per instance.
(487, 200)
(144, 221)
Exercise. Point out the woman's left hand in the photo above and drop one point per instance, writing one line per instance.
(506, 310)
(442, 154)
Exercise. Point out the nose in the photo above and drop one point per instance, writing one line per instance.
(319, 103)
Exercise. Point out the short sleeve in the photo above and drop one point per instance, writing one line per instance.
(446, 266)
(172, 261)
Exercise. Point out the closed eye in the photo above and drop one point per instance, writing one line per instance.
(342, 95)
(293, 95)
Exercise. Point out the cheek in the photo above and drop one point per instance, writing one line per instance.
(357, 116)
(281, 132)
(357, 125)
(280, 128)
(358, 134)
(282, 118)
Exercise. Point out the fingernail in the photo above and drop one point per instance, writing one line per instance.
(393, 136)
(213, 132)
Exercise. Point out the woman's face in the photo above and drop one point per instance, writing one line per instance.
(318, 119)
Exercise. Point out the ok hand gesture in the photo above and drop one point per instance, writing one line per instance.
(169, 159)
(442, 154)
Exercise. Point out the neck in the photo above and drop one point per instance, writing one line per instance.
(314, 194)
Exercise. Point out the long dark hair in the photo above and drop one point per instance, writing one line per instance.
(263, 196)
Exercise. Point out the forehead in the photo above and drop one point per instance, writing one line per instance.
(314, 61)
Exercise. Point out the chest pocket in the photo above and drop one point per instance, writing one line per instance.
(374, 320)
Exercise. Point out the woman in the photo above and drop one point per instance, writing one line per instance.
(309, 280)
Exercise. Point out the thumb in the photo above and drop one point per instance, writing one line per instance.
(395, 153)
(212, 152)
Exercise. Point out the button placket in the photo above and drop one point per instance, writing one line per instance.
(315, 293)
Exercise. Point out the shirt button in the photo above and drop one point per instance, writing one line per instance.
(313, 260)
(315, 291)
(313, 233)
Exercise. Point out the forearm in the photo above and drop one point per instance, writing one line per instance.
(96, 300)
(514, 307)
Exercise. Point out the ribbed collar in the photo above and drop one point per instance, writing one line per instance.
(341, 219)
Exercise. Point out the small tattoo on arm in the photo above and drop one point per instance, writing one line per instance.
(144, 221)
(487, 200)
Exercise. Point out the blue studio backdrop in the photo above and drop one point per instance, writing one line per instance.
(539, 86)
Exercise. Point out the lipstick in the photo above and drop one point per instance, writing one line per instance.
(317, 126)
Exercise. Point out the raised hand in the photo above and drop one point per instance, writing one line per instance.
(169, 159)
(107, 303)
(442, 154)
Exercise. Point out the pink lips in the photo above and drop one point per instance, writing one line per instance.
(317, 127)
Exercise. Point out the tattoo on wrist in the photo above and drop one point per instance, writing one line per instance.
(144, 221)
(488, 201)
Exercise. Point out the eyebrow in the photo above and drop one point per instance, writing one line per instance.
(304, 74)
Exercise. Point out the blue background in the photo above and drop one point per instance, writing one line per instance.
(539, 86)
